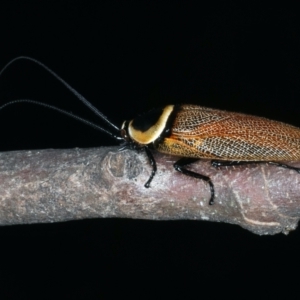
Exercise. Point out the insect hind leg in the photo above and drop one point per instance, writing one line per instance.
(285, 166)
(180, 167)
(224, 163)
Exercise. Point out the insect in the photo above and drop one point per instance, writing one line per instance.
(193, 132)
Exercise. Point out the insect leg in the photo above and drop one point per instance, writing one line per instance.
(223, 163)
(153, 164)
(228, 163)
(179, 166)
(284, 166)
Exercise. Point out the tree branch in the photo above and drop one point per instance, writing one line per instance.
(60, 185)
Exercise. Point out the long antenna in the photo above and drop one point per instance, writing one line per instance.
(62, 112)
(78, 95)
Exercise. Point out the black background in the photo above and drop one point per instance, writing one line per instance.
(127, 57)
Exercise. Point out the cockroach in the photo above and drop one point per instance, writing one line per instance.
(194, 132)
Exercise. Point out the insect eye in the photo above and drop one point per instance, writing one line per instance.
(124, 134)
(124, 131)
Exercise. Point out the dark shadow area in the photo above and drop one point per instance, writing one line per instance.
(127, 57)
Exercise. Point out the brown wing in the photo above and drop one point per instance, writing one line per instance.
(208, 133)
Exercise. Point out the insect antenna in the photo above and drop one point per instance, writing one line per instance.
(77, 94)
(62, 112)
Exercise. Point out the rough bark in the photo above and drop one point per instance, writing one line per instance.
(60, 185)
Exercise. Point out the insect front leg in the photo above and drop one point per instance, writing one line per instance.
(153, 164)
(180, 167)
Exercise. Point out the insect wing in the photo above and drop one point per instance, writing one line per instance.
(201, 132)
